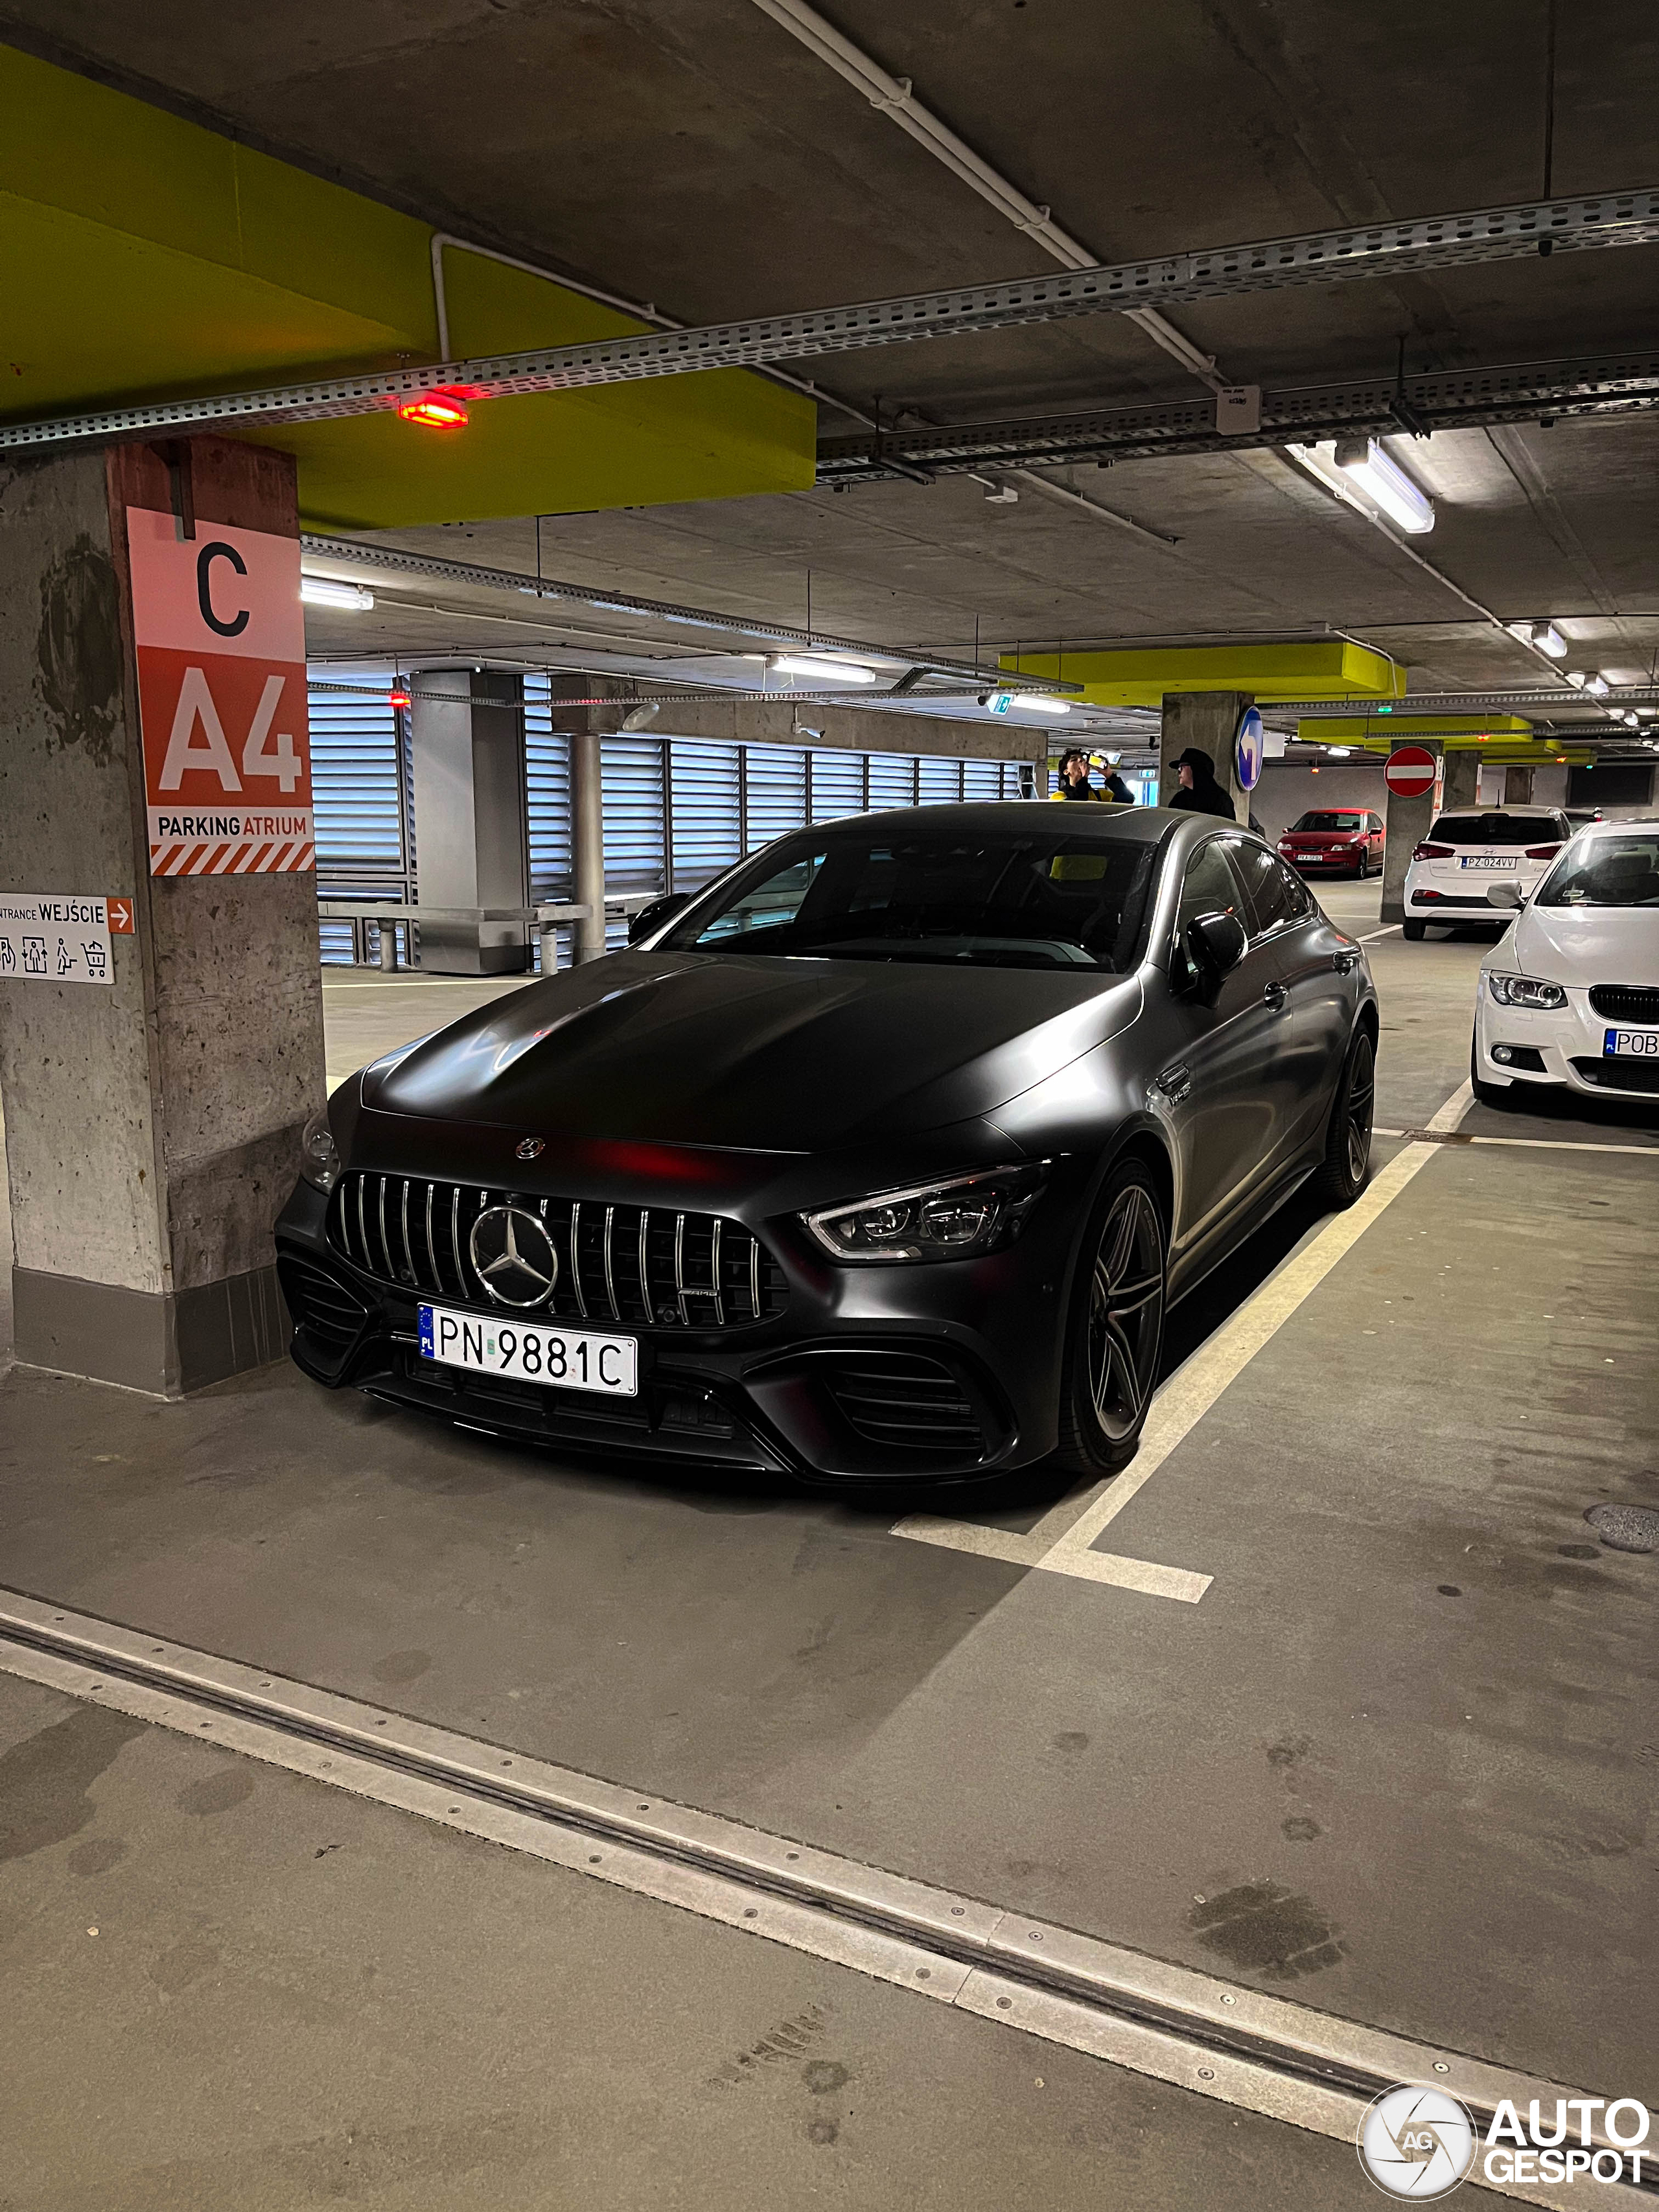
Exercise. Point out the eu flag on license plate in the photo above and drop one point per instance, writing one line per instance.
(425, 1319)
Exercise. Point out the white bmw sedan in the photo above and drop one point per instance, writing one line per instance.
(1570, 994)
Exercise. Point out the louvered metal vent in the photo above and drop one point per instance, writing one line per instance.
(618, 1263)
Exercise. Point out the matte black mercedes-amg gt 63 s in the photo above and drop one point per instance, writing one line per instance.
(880, 1158)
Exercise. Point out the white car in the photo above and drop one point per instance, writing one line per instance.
(1470, 848)
(1570, 996)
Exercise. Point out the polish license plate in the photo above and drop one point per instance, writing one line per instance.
(1487, 861)
(563, 1359)
(1638, 1044)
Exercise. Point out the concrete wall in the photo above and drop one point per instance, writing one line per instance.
(1288, 790)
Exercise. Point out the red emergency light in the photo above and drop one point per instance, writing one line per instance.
(437, 411)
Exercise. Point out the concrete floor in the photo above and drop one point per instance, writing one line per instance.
(1396, 1762)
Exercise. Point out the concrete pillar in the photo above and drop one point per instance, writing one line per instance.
(587, 841)
(467, 753)
(1518, 785)
(1209, 719)
(1408, 819)
(152, 1122)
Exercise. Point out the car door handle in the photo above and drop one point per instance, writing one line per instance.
(1175, 1082)
(1277, 997)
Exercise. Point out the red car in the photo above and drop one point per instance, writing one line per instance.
(1337, 840)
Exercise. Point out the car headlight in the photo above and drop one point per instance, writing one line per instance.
(959, 1219)
(1524, 991)
(319, 1156)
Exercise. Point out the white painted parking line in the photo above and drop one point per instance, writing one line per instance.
(1371, 936)
(1062, 1542)
(1525, 1144)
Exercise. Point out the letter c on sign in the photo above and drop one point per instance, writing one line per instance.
(219, 551)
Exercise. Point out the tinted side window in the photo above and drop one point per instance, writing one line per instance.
(1275, 894)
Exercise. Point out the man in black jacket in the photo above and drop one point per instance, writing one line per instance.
(1200, 793)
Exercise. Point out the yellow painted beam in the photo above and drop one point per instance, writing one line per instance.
(1139, 676)
(1382, 735)
(142, 256)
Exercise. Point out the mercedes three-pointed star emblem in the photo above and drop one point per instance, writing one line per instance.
(514, 1256)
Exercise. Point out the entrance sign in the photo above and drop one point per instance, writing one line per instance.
(220, 644)
(1249, 748)
(49, 938)
(1411, 771)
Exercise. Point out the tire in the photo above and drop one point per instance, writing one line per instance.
(1489, 1094)
(1413, 932)
(1347, 1166)
(1114, 1331)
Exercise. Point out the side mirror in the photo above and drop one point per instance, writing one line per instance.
(1215, 944)
(1508, 895)
(651, 917)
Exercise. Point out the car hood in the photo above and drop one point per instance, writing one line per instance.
(788, 1055)
(1587, 944)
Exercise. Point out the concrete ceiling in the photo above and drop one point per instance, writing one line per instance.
(690, 153)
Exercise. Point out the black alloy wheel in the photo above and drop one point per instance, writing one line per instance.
(1348, 1138)
(1116, 1332)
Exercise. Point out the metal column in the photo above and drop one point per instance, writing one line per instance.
(587, 841)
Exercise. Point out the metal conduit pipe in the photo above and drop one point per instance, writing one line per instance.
(893, 95)
(642, 311)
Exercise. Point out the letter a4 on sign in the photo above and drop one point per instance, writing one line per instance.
(220, 643)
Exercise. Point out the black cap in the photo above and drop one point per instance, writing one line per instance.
(1199, 763)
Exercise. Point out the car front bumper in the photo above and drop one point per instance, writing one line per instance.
(1560, 1046)
(940, 1372)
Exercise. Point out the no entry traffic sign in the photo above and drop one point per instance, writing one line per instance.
(1411, 771)
(221, 697)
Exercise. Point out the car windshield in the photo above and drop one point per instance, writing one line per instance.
(1606, 871)
(1496, 829)
(1007, 898)
(1330, 822)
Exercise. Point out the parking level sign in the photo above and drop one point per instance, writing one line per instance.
(221, 697)
(47, 937)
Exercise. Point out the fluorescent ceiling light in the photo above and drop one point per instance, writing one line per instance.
(1578, 678)
(1341, 752)
(818, 665)
(1040, 703)
(1378, 477)
(1544, 634)
(325, 591)
(1598, 685)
